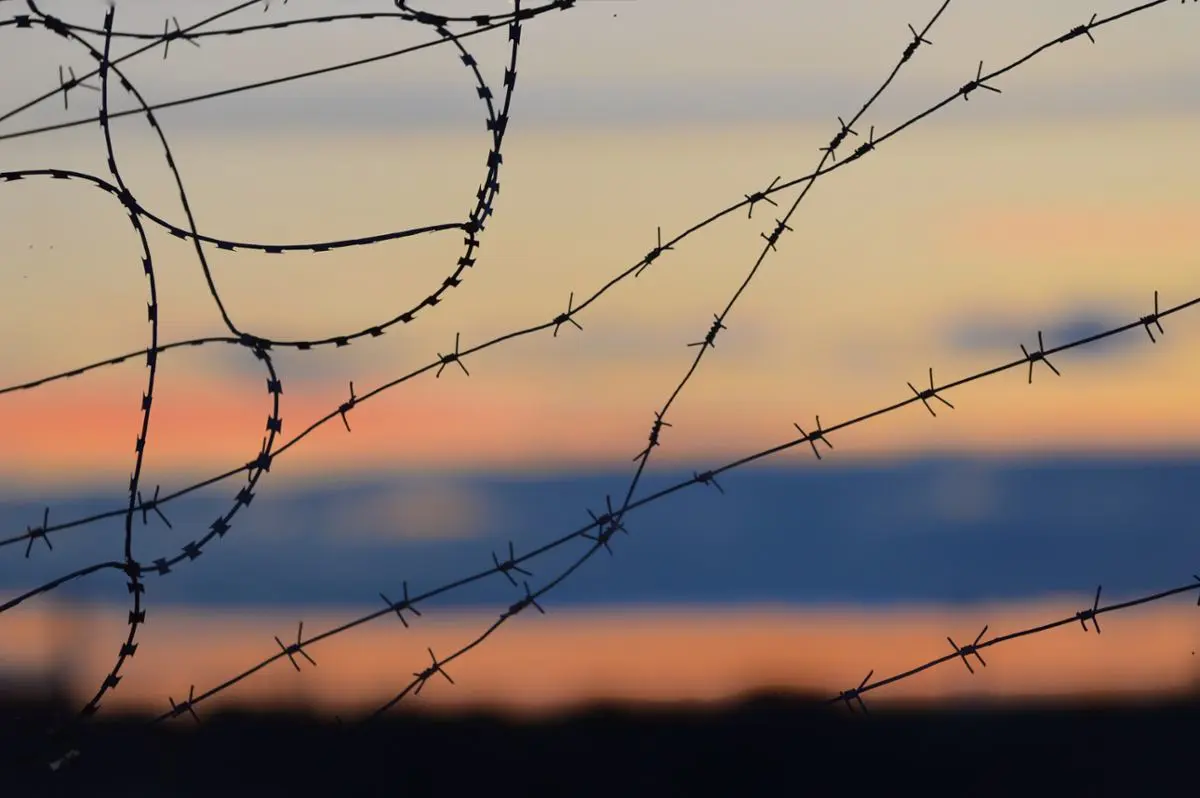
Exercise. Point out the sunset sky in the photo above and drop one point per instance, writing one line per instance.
(1061, 204)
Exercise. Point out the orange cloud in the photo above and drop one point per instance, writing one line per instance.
(74, 431)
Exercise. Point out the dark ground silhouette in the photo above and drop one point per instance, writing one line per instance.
(761, 745)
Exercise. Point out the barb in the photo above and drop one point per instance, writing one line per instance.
(1090, 615)
(295, 648)
(347, 406)
(836, 141)
(147, 506)
(454, 357)
(927, 394)
(773, 238)
(606, 525)
(652, 255)
(977, 83)
(655, 431)
(509, 565)
(1039, 355)
(67, 84)
(185, 706)
(529, 600)
(398, 606)
(436, 667)
(1152, 318)
(708, 478)
(711, 336)
(169, 36)
(855, 694)
(566, 318)
(761, 196)
(812, 438)
(1079, 30)
(973, 648)
(42, 532)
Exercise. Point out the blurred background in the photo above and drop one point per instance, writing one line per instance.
(1059, 205)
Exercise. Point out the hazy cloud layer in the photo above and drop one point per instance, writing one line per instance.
(938, 529)
(667, 62)
(990, 333)
(590, 104)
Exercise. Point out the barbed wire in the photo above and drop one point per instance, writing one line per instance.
(611, 520)
(560, 319)
(496, 122)
(608, 523)
(1091, 613)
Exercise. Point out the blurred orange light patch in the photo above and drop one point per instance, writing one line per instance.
(564, 659)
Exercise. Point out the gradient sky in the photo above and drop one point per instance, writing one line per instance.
(1061, 204)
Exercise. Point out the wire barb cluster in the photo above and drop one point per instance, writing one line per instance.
(930, 393)
(296, 648)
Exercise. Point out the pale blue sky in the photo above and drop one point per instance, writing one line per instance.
(657, 62)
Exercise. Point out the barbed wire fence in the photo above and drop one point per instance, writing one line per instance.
(97, 41)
